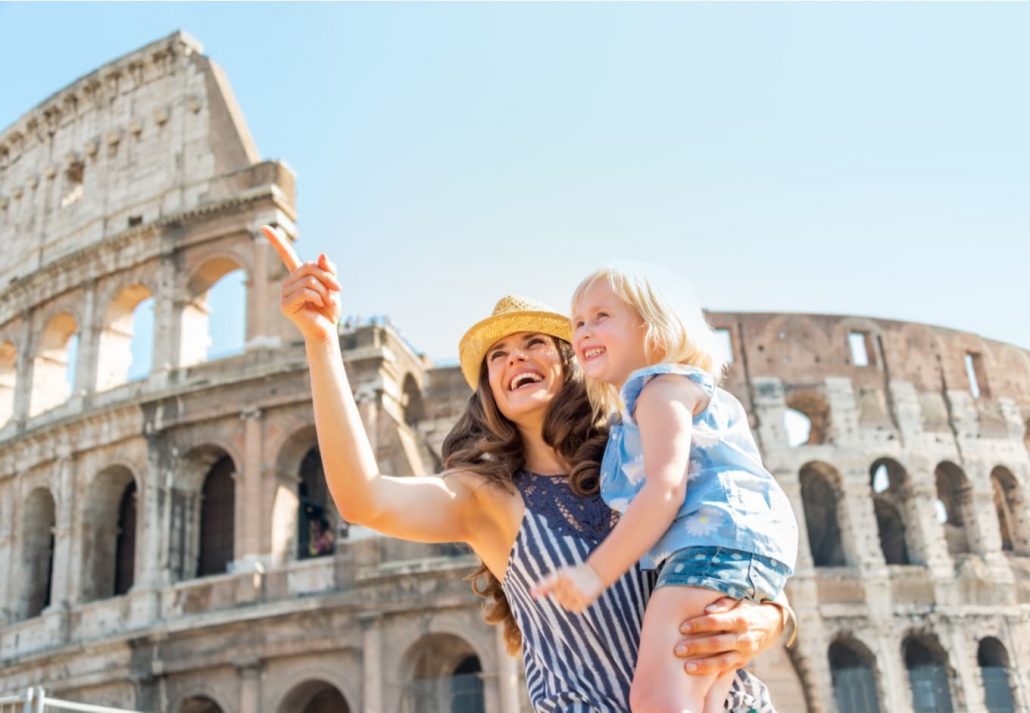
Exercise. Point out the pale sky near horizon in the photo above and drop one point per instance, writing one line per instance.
(851, 158)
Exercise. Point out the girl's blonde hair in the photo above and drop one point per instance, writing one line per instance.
(676, 331)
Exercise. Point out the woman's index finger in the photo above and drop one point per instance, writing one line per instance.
(282, 246)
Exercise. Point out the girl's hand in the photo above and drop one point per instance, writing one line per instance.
(310, 295)
(574, 588)
(728, 635)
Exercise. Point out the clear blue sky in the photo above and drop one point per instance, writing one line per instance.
(844, 158)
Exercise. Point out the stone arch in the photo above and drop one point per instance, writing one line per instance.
(302, 500)
(929, 673)
(39, 519)
(792, 339)
(194, 316)
(414, 409)
(1010, 505)
(109, 539)
(115, 343)
(8, 380)
(955, 498)
(52, 363)
(203, 512)
(893, 506)
(199, 704)
(812, 405)
(856, 680)
(314, 696)
(821, 496)
(442, 672)
(994, 662)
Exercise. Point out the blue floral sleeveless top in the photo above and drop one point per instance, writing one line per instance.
(732, 500)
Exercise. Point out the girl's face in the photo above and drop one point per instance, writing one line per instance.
(608, 335)
(525, 374)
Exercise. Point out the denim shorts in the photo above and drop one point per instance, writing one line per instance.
(737, 574)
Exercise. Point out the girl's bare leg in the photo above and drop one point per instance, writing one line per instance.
(660, 685)
(715, 701)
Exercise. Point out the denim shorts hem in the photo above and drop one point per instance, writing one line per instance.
(735, 573)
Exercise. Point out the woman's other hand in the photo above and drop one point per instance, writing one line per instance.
(728, 635)
(310, 294)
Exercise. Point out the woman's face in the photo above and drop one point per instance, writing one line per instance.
(525, 374)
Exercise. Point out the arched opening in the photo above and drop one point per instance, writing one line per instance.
(53, 368)
(318, 522)
(414, 410)
(445, 675)
(37, 552)
(993, 659)
(314, 697)
(8, 380)
(217, 518)
(199, 704)
(854, 679)
(891, 503)
(126, 339)
(954, 506)
(214, 318)
(927, 665)
(821, 499)
(110, 547)
(807, 410)
(1010, 508)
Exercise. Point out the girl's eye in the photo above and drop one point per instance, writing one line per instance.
(602, 315)
(577, 324)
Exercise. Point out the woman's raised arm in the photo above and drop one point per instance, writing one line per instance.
(430, 509)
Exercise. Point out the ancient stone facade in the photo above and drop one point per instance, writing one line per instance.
(166, 542)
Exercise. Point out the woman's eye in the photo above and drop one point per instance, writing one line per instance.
(493, 357)
(535, 340)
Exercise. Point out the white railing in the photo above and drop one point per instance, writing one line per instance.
(35, 700)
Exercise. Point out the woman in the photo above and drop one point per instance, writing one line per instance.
(520, 462)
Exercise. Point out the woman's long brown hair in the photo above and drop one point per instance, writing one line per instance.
(485, 442)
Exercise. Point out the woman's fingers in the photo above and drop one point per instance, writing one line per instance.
(308, 282)
(721, 605)
(714, 664)
(709, 645)
(300, 297)
(282, 246)
(715, 623)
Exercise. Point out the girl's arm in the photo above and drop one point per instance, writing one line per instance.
(430, 509)
(665, 416)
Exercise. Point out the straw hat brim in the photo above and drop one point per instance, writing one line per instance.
(481, 336)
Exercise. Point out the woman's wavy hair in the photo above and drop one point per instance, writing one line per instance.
(485, 442)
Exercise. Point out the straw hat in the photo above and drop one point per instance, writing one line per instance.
(511, 315)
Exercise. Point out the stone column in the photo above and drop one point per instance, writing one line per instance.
(250, 686)
(23, 379)
(7, 551)
(262, 294)
(249, 505)
(961, 659)
(933, 546)
(862, 535)
(894, 675)
(89, 336)
(371, 663)
(507, 675)
(167, 329)
(67, 570)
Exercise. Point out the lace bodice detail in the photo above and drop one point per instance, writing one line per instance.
(566, 513)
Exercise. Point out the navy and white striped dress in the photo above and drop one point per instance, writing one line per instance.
(583, 663)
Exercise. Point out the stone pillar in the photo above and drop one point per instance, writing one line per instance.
(167, 329)
(813, 657)
(861, 534)
(89, 338)
(249, 502)
(932, 545)
(894, 675)
(962, 660)
(371, 663)
(67, 570)
(250, 686)
(8, 559)
(507, 675)
(23, 383)
(262, 295)
(790, 481)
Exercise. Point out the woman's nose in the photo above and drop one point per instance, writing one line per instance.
(516, 355)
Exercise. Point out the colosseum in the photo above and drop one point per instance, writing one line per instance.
(166, 539)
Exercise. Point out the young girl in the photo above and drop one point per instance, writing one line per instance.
(683, 469)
